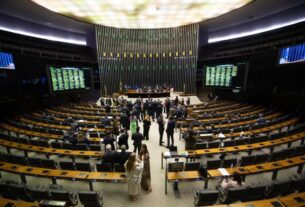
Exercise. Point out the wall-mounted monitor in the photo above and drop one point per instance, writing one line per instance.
(69, 78)
(6, 61)
(292, 54)
(229, 75)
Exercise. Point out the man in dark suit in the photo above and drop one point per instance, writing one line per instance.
(123, 139)
(170, 131)
(109, 156)
(137, 140)
(107, 109)
(125, 122)
(108, 139)
(122, 156)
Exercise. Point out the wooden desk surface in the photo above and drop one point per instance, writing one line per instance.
(253, 146)
(63, 174)
(216, 173)
(259, 203)
(39, 134)
(14, 203)
(294, 200)
(49, 150)
(183, 176)
(107, 176)
(69, 174)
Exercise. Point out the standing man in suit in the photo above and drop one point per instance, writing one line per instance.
(137, 140)
(123, 139)
(170, 131)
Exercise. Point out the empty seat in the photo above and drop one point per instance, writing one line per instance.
(4, 190)
(278, 188)
(298, 184)
(213, 164)
(56, 145)
(34, 162)
(19, 191)
(261, 158)
(83, 147)
(192, 166)
(229, 143)
(205, 197)
(46, 163)
(95, 147)
(90, 198)
(67, 146)
(43, 143)
(275, 156)
(66, 165)
(247, 160)
(234, 194)
(201, 145)
(118, 167)
(214, 144)
(39, 194)
(229, 162)
(20, 160)
(62, 195)
(104, 167)
(83, 166)
(256, 192)
(34, 142)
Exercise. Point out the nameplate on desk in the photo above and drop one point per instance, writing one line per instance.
(223, 171)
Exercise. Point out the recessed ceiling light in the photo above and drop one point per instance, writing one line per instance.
(142, 13)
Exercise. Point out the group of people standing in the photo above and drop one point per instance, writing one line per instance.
(137, 165)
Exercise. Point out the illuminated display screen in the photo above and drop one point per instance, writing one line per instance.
(69, 78)
(292, 54)
(6, 61)
(222, 75)
(142, 14)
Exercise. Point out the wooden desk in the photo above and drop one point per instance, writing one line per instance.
(53, 174)
(38, 134)
(112, 177)
(294, 200)
(260, 203)
(246, 170)
(14, 203)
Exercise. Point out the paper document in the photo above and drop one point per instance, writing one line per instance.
(223, 171)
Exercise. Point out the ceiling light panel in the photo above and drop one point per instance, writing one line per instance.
(142, 14)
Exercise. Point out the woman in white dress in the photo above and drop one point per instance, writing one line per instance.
(134, 170)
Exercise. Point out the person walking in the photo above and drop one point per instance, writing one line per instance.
(161, 129)
(146, 127)
(146, 177)
(134, 169)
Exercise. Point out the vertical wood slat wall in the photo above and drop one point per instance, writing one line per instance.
(146, 57)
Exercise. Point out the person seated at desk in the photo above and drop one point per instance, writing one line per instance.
(106, 121)
(107, 109)
(109, 156)
(236, 182)
(83, 138)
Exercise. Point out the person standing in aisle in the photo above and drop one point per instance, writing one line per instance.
(137, 140)
(134, 169)
(146, 127)
(146, 177)
(161, 129)
(170, 131)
